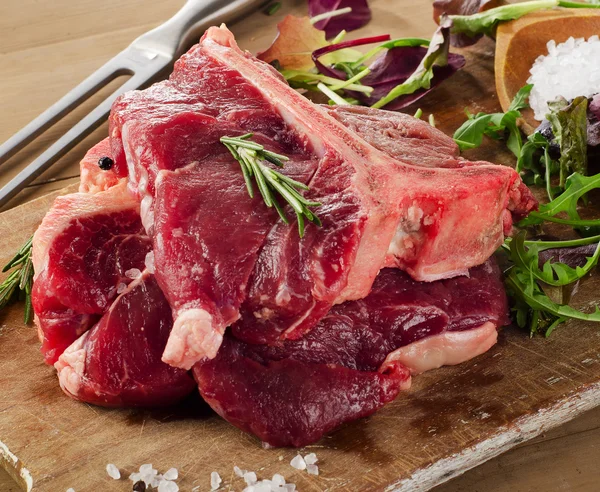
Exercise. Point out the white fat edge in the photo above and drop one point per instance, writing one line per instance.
(70, 366)
(149, 262)
(138, 178)
(443, 349)
(128, 154)
(193, 337)
(8, 456)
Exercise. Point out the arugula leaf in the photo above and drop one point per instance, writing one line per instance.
(534, 308)
(556, 274)
(471, 132)
(535, 158)
(576, 187)
(569, 125)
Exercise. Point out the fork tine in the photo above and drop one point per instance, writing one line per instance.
(89, 86)
(71, 138)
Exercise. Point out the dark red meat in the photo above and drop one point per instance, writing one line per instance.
(117, 363)
(355, 360)
(288, 402)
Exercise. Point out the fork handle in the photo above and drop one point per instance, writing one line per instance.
(166, 38)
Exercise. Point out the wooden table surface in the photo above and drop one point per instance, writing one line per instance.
(48, 46)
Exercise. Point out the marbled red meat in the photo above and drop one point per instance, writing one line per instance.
(377, 210)
(357, 358)
(118, 362)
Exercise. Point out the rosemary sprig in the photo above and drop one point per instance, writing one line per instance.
(252, 157)
(20, 281)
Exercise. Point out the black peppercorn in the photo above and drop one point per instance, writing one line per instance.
(105, 163)
(139, 486)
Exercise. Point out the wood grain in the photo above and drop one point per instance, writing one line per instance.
(46, 48)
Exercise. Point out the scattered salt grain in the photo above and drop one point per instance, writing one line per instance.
(168, 486)
(113, 471)
(298, 463)
(552, 75)
(278, 480)
(250, 478)
(312, 469)
(311, 459)
(172, 474)
(133, 273)
(238, 471)
(215, 480)
(71, 490)
(121, 288)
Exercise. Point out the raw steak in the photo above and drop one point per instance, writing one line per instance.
(118, 362)
(85, 249)
(357, 358)
(376, 210)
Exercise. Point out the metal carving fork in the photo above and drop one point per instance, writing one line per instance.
(144, 59)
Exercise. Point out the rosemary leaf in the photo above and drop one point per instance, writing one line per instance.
(20, 280)
(252, 157)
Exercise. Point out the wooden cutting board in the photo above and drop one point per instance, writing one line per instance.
(451, 420)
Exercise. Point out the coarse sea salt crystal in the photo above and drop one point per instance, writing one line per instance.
(71, 490)
(172, 474)
(250, 478)
(311, 459)
(215, 480)
(278, 480)
(263, 486)
(121, 288)
(168, 486)
(570, 69)
(113, 471)
(133, 273)
(135, 477)
(298, 463)
(238, 471)
(312, 469)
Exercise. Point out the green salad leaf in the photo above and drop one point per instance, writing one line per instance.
(527, 283)
(495, 125)
(576, 188)
(569, 125)
(526, 258)
(486, 22)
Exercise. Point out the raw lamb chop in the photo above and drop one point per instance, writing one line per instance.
(82, 253)
(357, 358)
(376, 210)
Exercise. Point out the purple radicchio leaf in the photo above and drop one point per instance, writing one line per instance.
(360, 15)
(462, 7)
(334, 72)
(573, 257)
(397, 65)
(394, 68)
